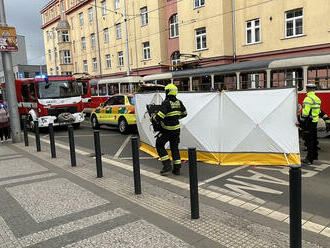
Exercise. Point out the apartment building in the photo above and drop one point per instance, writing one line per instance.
(163, 35)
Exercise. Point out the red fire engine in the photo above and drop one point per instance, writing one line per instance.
(55, 99)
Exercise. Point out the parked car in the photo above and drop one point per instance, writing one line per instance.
(118, 110)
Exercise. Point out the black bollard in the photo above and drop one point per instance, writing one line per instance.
(36, 131)
(295, 206)
(98, 154)
(136, 165)
(72, 148)
(26, 137)
(193, 183)
(52, 140)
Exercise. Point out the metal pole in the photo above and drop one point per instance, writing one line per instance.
(36, 131)
(295, 206)
(72, 147)
(126, 41)
(10, 85)
(136, 165)
(193, 180)
(98, 154)
(26, 137)
(52, 140)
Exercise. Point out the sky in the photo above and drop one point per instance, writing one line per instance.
(25, 16)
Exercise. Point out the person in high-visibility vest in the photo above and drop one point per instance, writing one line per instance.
(308, 122)
(169, 114)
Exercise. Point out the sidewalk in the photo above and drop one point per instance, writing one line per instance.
(46, 203)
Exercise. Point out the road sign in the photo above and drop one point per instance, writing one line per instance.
(8, 39)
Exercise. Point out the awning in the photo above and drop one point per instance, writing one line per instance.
(132, 79)
(159, 76)
(301, 61)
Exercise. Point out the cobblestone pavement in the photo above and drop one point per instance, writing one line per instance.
(47, 203)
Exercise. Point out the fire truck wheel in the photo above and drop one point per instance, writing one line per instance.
(122, 125)
(95, 123)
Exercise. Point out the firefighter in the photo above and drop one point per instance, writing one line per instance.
(169, 114)
(308, 122)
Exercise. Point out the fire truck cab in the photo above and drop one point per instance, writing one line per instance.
(54, 99)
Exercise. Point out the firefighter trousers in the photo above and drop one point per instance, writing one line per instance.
(174, 138)
(311, 142)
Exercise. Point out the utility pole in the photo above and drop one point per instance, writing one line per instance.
(10, 85)
(126, 41)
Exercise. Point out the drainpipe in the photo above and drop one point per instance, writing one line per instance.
(126, 41)
(234, 31)
(98, 39)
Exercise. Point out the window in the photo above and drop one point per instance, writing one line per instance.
(199, 3)
(50, 54)
(108, 61)
(104, 7)
(294, 23)
(93, 40)
(48, 36)
(200, 38)
(66, 57)
(81, 18)
(106, 35)
(55, 52)
(174, 26)
(117, 4)
(120, 58)
(118, 30)
(175, 60)
(144, 16)
(146, 50)
(83, 43)
(57, 71)
(116, 100)
(90, 14)
(253, 31)
(94, 64)
(85, 66)
(65, 36)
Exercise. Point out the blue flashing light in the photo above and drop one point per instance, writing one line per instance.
(44, 76)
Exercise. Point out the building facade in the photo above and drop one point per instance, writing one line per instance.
(163, 35)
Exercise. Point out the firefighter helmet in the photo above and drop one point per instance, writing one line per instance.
(171, 90)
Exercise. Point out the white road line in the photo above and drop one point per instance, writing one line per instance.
(270, 213)
(141, 158)
(86, 135)
(120, 150)
(222, 175)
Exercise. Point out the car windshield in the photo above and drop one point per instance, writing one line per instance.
(58, 89)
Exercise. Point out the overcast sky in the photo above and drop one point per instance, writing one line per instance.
(25, 16)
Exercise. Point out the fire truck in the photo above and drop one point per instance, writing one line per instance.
(53, 99)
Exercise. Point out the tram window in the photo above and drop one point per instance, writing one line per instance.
(182, 84)
(102, 89)
(94, 90)
(320, 76)
(113, 88)
(32, 92)
(202, 83)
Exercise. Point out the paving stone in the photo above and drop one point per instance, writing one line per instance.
(54, 198)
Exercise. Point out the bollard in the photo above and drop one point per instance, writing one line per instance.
(98, 154)
(26, 137)
(136, 165)
(36, 131)
(193, 183)
(295, 206)
(52, 140)
(72, 148)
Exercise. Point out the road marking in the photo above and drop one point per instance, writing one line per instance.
(310, 226)
(221, 175)
(86, 135)
(141, 158)
(120, 150)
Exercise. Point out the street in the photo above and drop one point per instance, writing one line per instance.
(263, 185)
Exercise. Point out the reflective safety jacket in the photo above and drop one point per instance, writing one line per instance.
(170, 112)
(311, 107)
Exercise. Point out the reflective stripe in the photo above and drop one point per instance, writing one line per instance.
(309, 103)
(177, 161)
(161, 115)
(176, 127)
(165, 158)
(184, 113)
(173, 113)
